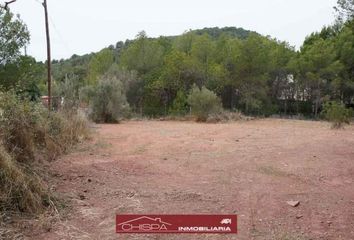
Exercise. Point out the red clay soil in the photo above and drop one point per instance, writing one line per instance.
(247, 168)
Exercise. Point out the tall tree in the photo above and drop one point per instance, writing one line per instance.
(345, 9)
(14, 35)
(319, 67)
(252, 73)
(143, 55)
(100, 64)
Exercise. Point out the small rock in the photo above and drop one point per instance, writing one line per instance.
(165, 158)
(299, 216)
(85, 191)
(329, 223)
(91, 154)
(89, 180)
(293, 203)
(82, 197)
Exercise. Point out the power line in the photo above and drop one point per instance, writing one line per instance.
(69, 50)
(52, 23)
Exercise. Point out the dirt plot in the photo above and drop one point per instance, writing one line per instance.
(248, 168)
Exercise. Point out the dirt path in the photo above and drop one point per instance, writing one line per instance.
(249, 168)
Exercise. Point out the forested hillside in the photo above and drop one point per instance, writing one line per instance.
(250, 72)
(255, 74)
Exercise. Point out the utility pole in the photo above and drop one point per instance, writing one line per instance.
(49, 61)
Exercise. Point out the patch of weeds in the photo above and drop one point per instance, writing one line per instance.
(269, 170)
(102, 144)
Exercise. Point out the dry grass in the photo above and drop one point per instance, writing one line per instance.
(226, 116)
(20, 189)
(60, 132)
(7, 232)
(29, 133)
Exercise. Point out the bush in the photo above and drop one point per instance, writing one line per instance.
(227, 116)
(28, 131)
(68, 89)
(17, 126)
(27, 127)
(20, 189)
(107, 101)
(180, 105)
(203, 102)
(337, 114)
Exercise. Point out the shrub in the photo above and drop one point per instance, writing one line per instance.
(107, 101)
(27, 131)
(226, 116)
(203, 102)
(27, 127)
(337, 114)
(20, 189)
(180, 105)
(59, 132)
(17, 122)
(68, 89)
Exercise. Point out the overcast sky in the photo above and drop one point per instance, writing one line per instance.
(84, 26)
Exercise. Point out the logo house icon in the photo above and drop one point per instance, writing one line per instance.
(144, 224)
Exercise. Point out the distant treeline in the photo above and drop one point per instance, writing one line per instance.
(252, 73)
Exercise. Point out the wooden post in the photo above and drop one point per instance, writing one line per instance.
(49, 61)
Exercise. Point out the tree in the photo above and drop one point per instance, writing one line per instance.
(22, 75)
(252, 73)
(14, 35)
(281, 82)
(143, 55)
(108, 102)
(184, 42)
(345, 9)
(131, 84)
(202, 53)
(318, 67)
(343, 85)
(99, 64)
(180, 104)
